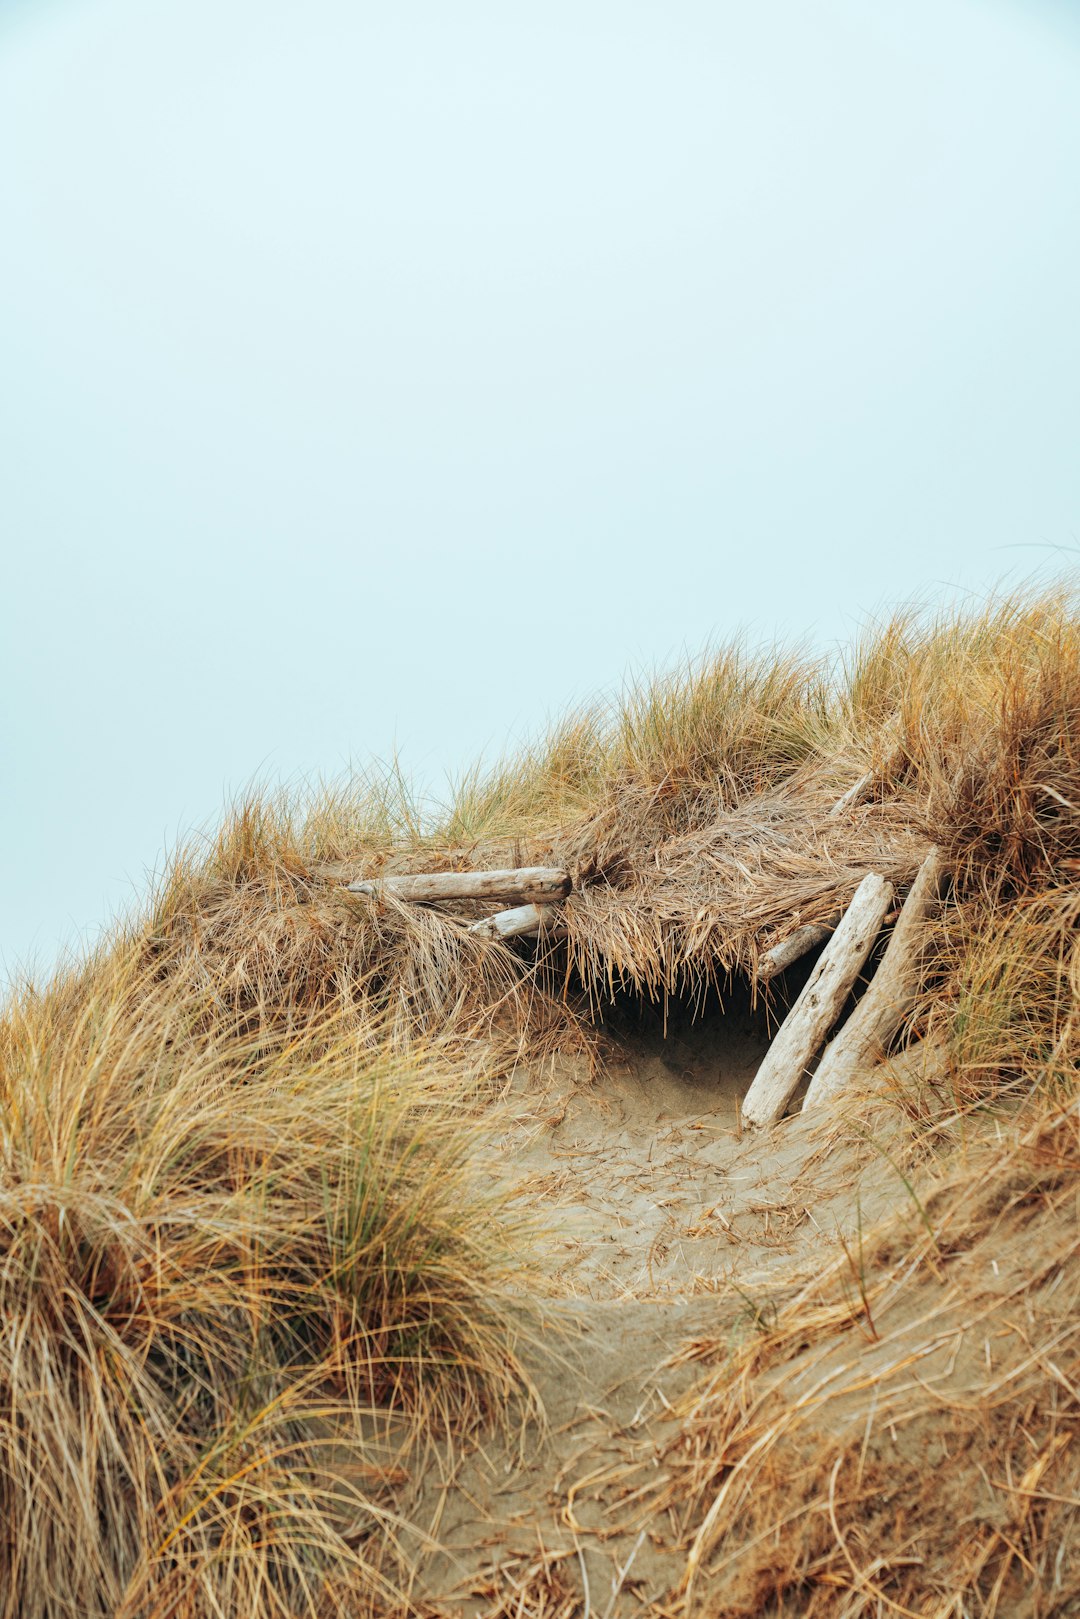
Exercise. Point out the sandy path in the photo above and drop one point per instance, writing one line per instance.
(665, 1221)
(647, 1184)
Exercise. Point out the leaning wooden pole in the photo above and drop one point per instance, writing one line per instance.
(818, 1007)
(527, 885)
(865, 1037)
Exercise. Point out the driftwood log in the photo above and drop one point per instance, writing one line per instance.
(876, 1020)
(817, 1008)
(528, 885)
(797, 944)
(520, 922)
(794, 947)
(866, 783)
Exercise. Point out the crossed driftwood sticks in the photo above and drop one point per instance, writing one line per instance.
(531, 889)
(533, 893)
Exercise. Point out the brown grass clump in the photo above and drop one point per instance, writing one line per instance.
(213, 1245)
(987, 738)
(1013, 1019)
(260, 929)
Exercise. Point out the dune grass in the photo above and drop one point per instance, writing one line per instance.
(966, 723)
(713, 730)
(902, 1435)
(236, 1206)
(211, 1242)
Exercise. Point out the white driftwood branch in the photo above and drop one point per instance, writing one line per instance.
(529, 885)
(819, 1005)
(864, 786)
(520, 922)
(863, 1040)
(781, 956)
(854, 795)
(797, 944)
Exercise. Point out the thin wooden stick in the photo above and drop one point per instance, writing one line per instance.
(854, 795)
(796, 945)
(865, 785)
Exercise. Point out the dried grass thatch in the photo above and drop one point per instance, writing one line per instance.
(698, 816)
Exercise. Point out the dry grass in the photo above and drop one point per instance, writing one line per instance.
(908, 1442)
(236, 1207)
(695, 813)
(211, 1242)
(902, 1435)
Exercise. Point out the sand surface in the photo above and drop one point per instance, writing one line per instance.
(663, 1220)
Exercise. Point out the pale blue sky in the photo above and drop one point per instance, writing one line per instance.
(391, 374)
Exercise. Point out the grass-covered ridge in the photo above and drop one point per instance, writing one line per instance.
(236, 1206)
